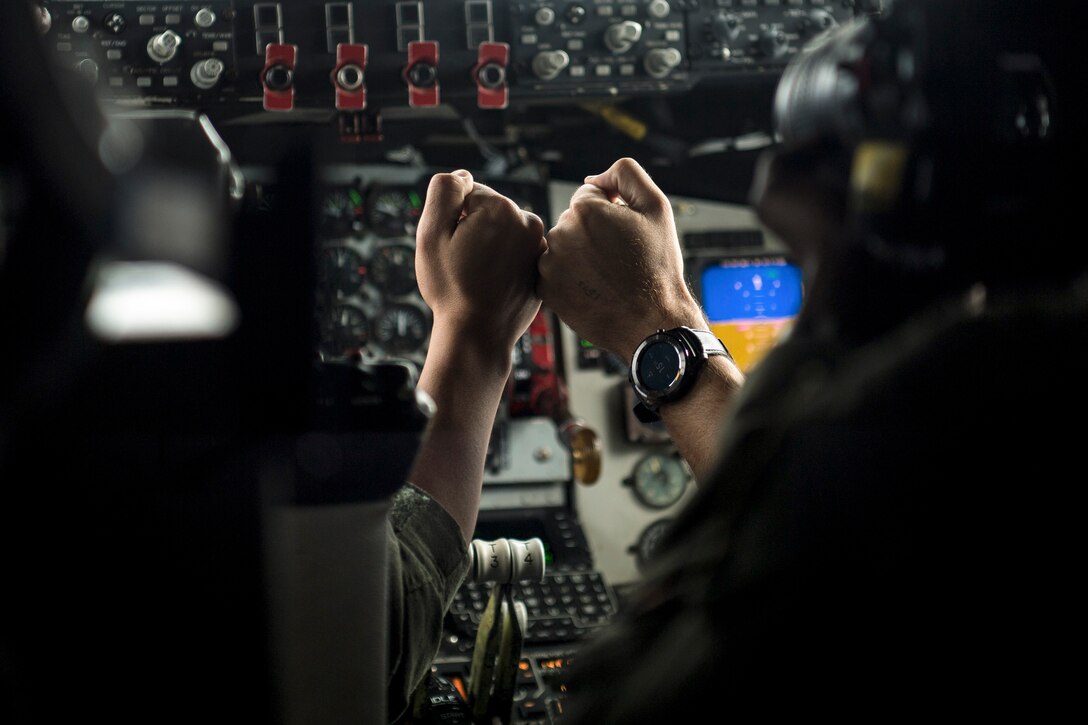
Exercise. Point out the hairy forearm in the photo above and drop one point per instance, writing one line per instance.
(694, 422)
(466, 381)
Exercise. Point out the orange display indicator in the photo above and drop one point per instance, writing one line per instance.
(748, 341)
(459, 685)
(751, 304)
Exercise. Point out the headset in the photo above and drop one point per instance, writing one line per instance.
(950, 117)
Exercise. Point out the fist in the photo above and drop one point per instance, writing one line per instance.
(476, 260)
(613, 270)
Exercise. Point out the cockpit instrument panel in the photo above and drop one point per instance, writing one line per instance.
(368, 303)
(352, 57)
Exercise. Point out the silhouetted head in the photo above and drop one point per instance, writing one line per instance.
(931, 134)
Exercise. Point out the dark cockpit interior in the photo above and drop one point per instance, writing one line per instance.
(211, 328)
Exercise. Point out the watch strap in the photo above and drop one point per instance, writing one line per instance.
(703, 344)
(645, 413)
(706, 340)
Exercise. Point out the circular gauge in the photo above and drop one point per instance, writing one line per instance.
(394, 211)
(648, 541)
(342, 212)
(340, 271)
(344, 330)
(393, 269)
(401, 329)
(659, 479)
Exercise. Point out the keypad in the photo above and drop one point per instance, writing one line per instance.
(568, 603)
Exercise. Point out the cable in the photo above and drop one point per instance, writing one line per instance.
(745, 142)
(494, 161)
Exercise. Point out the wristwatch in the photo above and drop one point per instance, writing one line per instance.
(666, 364)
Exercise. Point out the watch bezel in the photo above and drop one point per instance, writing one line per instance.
(653, 398)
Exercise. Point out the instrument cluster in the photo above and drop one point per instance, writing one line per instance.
(369, 306)
(230, 58)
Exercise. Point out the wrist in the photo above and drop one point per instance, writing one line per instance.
(720, 378)
(686, 313)
(472, 344)
(667, 365)
(694, 422)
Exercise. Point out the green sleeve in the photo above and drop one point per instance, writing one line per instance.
(428, 561)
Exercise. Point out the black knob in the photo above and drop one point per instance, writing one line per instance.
(422, 75)
(725, 27)
(817, 22)
(576, 14)
(774, 44)
(279, 77)
(114, 22)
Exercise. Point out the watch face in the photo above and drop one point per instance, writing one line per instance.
(659, 366)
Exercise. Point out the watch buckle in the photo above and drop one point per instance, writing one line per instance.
(645, 414)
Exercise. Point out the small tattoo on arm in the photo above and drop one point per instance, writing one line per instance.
(590, 292)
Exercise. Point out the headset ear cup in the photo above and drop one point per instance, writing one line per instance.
(877, 176)
(885, 200)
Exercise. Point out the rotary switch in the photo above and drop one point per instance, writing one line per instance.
(163, 47)
(658, 9)
(774, 44)
(659, 62)
(621, 37)
(547, 64)
(206, 73)
(726, 27)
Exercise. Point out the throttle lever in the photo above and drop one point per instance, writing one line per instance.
(504, 561)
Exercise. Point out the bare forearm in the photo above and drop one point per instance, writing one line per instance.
(466, 381)
(694, 422)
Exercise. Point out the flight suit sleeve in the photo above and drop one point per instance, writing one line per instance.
(428, 561)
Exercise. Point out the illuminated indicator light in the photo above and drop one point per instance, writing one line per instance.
(356, 197)
(523, 665)
(459, 684)
(414, 198)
